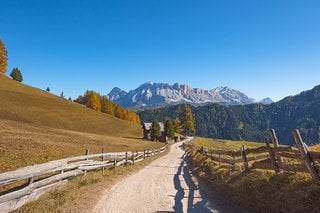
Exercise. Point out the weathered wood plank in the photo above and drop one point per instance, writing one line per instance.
(296, 156)
(258, 157)
(31, 171)
(275, 143)
(38, 184)
(244, 157)
(305, 155)
(14, 204)
(260, 149)
(221, 159)
(314, 155)
(272, 157)
(283, 148)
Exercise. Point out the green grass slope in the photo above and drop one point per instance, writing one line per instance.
(23, 103)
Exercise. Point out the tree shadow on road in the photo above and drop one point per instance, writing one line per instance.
(204, 204)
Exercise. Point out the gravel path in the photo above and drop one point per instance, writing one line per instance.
(165, 185)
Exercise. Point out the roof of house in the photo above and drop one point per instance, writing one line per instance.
(147, 126)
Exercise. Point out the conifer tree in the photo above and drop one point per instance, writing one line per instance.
(48, 89)
(188, 121)
(155, 130)
(178, 128)
(16, 75)
(168, 127)
(3, 58)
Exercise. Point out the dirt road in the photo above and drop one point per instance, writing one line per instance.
(165, 185)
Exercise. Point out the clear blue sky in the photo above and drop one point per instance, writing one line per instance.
(267, 48)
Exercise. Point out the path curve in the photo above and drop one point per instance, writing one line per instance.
(165, 185)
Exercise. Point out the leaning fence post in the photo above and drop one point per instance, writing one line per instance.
(115, 163)
(103, 168)
(305, 155)
(276, 148)
(87, 153)
(133, 158)
(272, 157)
(126, 158)
(244, 157)
(234, 159)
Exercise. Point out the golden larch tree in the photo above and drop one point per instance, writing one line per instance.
(3, 58)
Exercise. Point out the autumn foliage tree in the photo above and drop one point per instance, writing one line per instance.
(188, 120)
(178, 128)
(95, 101)
(3, 58)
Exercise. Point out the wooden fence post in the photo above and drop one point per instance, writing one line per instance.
(272, 157)
(103, 168)
(305, 155)
(126, 158)
(234, 159)
(219, 151)
(87, 153)
(30, 180)
(276, 148)
(133, 158)
(244, 157)
(115, 163)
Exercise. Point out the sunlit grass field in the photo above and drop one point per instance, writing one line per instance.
(224, 144)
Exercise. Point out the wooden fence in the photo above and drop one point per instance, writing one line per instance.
(281, 156)
(41, 178)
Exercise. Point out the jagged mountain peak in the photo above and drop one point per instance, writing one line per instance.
(154, 94)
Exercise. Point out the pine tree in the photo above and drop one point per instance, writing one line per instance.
(48, 89)
(3, 58)
(178, 128)
(16, 75)
(169, 129)
(188, 121)
(155, 130)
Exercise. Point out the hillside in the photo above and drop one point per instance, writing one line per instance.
(36, 127)
(251, 122)
(22, 103)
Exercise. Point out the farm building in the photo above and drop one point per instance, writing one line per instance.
(147, 132)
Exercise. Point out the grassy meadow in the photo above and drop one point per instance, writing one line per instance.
(36, 127)
(224, 144)
(256, 188)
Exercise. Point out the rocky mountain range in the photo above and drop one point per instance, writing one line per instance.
(152, 94)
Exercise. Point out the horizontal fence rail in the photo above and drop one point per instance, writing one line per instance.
(41, 178)
(307, 161)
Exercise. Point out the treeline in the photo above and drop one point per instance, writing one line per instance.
(251, 122)
(95, 101)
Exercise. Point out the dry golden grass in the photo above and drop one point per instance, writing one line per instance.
(23, 144)
(224, 144)
(83, 192)
(37, 127)
(258, 190)
(22, 103)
